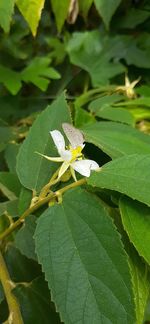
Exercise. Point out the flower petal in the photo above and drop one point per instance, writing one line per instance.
(65, 155)
(53, 159)
(84, 167)
(58, 140)
(73, 174)
(74, 135)
(63, 169)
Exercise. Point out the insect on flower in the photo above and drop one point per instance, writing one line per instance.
(71, 155)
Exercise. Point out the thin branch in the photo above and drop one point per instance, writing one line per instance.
(15, 314)
(37, 205)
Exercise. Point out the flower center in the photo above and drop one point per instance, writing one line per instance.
(76, 153)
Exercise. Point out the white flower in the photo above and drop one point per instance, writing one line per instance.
(71, 156)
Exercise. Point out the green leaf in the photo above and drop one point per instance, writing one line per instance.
(35, 302)
(116, 114)
(38, 72)
(83, 117)
(24, 238)
(107, 9)
(9, 207)
(6, 135)
(136, 102)
(21, 269)
(10, 156)
(79, 255)
(9, 185)
(25, 198)
(128, 175)
(31, 11)
(133, 18)
(116, 139)
(95, 53)
(60, 9)
(84, 6)
(10, 79)
(33, 170)
(6, 12)
(101, 102)
(140, 282)
(136, 222)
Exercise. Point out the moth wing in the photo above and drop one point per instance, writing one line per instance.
(73, 134)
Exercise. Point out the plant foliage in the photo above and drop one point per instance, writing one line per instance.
(74, 252)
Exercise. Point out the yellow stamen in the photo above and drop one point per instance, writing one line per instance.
(76, 153)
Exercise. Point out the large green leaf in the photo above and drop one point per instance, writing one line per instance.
(116, 139)
(6, 11)
(33, 170)
(128, 175)
(79, 248)
(106, 9)
(35, 302)
(11, 152)
(31, 11)
(95, 53)
(60, 9)
(136, 222)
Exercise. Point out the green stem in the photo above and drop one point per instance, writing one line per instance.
(15, 314)
(37, 205)
(45, 189)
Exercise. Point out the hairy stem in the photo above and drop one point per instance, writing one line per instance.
(37, 205)
(15, 314)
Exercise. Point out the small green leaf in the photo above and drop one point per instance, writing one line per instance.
(83, 117)
(95, 54)
(84, 6)
(136, 222)
(9, 207)
(133, 18)
(31, 11)
(35, 303)
(79, 248)
(6, 12)
(10, 185)
(38, 72)
(10, 79)
(33, 170)
(107, 9)
(116, 139)
(128, 175)
(60, 9)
